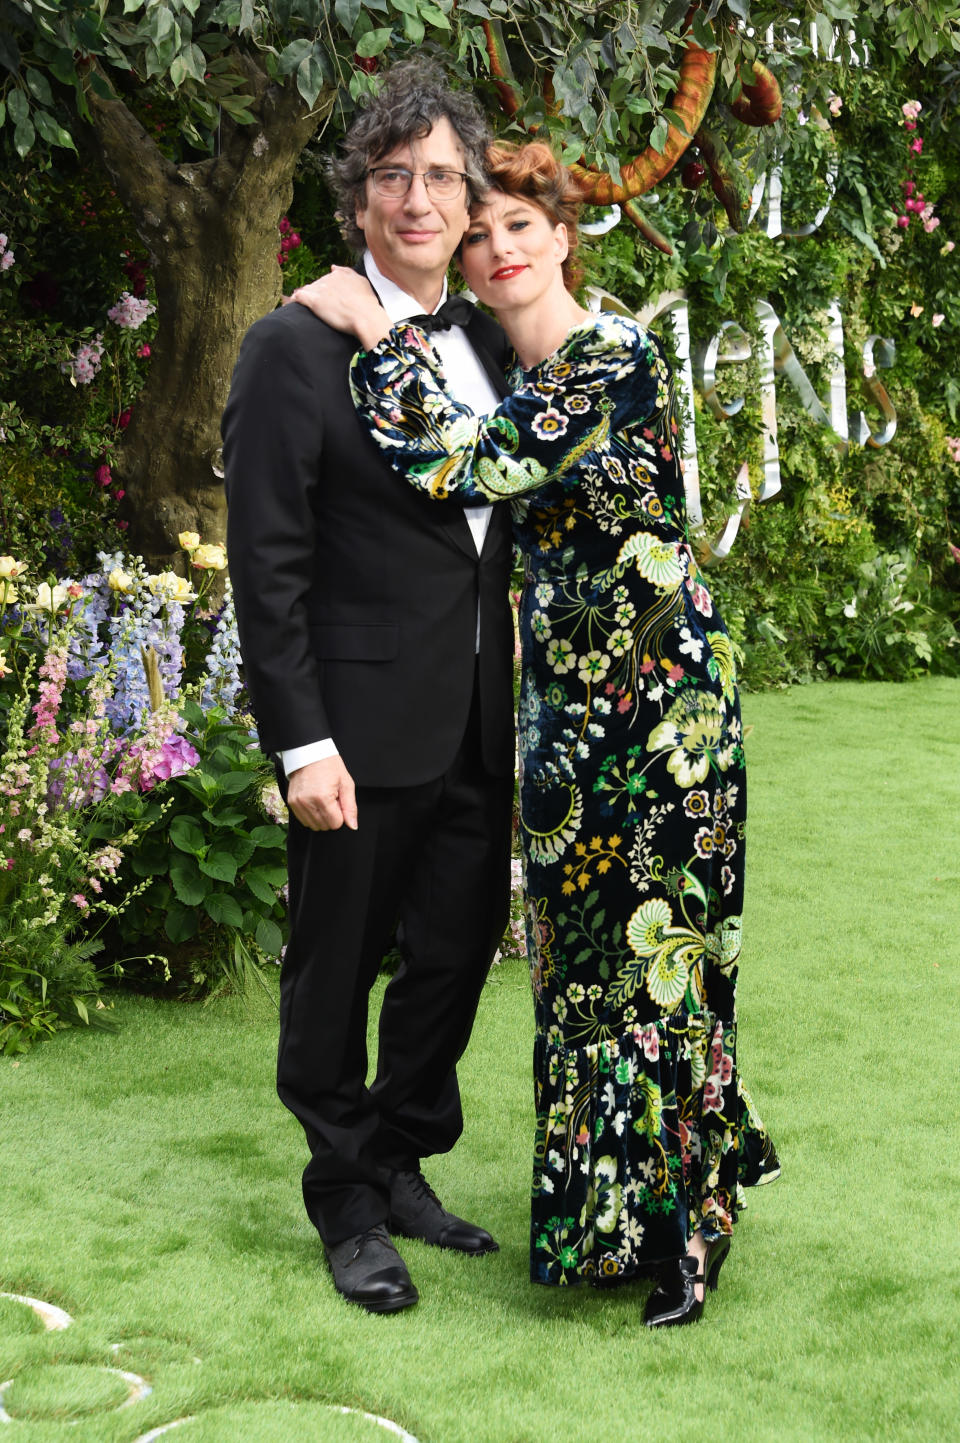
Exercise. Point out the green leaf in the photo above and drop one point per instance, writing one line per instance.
(224, 909)
(825, 34)
(374, 42)
(232, 782)
(433, 16)
(180, 923)
(310, 79)
(239, 847)
(238, 111)
(269, 836)
(229, 818)
(185, 834)
(187, 882)
(293, 54)
(18, 106)
(51, 132)
(348, 13)
(39, 87)
(260, 886)
(659, 134)
(9, 53)
(220, 865)
(23, 137)
(269, 937)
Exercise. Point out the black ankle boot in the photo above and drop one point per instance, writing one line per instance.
(674, 1300)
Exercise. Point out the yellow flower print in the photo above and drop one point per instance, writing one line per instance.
(648, 925)
(691, 730)
(657, 561)
(607, 1195)
(667, 976)
(561, 655)
(722, 648)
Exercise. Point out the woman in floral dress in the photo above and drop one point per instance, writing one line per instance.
(633, 795)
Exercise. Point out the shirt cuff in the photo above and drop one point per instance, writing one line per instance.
(296, 757)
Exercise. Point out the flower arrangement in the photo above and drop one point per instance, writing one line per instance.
(60, 884)
(121, 704)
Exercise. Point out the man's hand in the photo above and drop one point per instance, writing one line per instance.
(322, 796)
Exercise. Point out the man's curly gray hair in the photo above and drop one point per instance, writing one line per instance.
(414, 96)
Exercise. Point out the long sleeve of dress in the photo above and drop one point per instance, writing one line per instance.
(608, 376)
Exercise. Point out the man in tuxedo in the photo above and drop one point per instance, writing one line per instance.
(377, 645)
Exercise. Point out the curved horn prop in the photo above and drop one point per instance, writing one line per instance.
(698, 70)
(760, 101)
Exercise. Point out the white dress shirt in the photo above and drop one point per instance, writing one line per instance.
(469, 383)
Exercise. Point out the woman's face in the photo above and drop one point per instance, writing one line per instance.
(512, 252)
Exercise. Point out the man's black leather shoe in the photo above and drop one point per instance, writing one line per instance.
(417, 1212)
(368, 1270)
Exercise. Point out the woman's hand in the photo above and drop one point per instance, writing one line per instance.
(347, 302)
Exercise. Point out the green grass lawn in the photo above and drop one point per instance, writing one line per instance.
(149, 1181)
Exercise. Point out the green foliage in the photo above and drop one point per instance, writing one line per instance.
(597, 79)
(841, 512)
(884, 626)
(211, 863)
(73, 260)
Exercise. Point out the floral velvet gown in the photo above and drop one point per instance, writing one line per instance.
(633, 795)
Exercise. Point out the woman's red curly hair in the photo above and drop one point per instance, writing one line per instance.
(532, 172)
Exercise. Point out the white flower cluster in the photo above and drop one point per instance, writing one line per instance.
(129, 312)
(6, 255)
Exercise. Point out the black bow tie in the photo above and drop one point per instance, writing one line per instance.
(455, 311)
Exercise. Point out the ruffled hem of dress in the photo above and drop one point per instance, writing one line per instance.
(641, 1139)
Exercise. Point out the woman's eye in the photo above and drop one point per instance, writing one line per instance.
(519, 225)
(475, 236)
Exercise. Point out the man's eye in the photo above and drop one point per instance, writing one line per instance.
(392, 176)
(442, 177)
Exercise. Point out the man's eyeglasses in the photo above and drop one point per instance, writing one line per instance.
(393, 181)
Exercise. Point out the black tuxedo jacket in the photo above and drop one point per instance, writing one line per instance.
(356, 596)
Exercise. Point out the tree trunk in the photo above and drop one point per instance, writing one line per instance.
(211, 234)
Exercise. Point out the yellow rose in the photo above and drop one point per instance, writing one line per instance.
(171, 587)
(189, 540)
(8, 592)
(9, 568)
(120, 580)
(49, 598)
(209, 558)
